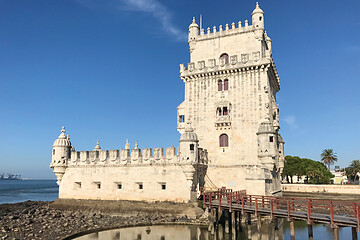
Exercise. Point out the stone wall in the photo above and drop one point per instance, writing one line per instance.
(309, 188)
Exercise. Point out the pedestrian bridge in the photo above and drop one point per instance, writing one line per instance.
(232, 205)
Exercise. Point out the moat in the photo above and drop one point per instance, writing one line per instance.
(192, 232)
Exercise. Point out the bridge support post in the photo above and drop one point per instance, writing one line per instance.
(276, 224)
(227, 217)
(212, 221)
(310, 231)
(258, 221)
(216, 218)
(249, 218)
(292, 229)
(336, 232)
(354, 233)
(233, 224)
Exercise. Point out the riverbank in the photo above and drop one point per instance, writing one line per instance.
(61, 219)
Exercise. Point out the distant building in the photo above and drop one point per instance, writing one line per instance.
(229, 125)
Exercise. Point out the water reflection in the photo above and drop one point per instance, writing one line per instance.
(267, 231)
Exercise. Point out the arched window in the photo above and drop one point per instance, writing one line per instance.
(225, 57)
(224, 140)
(219, 112)
(225, 111)
(226, 84)
(219, 85)
(53, 151)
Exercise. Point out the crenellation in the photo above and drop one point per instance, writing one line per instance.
(114, 155)
(84, 156)
(124, 154)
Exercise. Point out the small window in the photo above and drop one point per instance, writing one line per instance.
(162, 238)
(138, 237)
(53, 151)
(192, 147)
(219, 112)
(181, 118)
(163, 186)
(219, 85)
(226, 84)
(119, 186)
(224, 140)
(271, 139)
(77, 185)
(98, 185)
(225, 57)
(260, 18)
(225, 111)
(141, 186)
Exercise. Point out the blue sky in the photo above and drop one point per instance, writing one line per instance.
(109, 70)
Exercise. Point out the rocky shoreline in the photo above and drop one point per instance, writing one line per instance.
(62, 219)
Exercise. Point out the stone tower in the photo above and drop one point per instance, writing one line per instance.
(230, 98)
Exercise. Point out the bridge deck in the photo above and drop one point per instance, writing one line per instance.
(336, 213)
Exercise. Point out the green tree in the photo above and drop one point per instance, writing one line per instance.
(315, 172)
(328, 157)
(352, 171)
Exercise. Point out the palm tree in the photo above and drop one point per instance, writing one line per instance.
(354, 169)
(328, 157)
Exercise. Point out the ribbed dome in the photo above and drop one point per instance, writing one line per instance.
(193, 24)
(257, 9)
(266, 127)
(189, 135)
(63, 140)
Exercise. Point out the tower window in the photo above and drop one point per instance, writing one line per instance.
(181, 118)
(219, 112)
(53, 151)
(141, 186)
(271, 139)
(260, 18)
(98, 185)
(224, 140)
(225, 111)
(163, 186)
(77, 185)
(220, 85)
(225, 57)
(226, 84)
(192, 147)
(119, 186)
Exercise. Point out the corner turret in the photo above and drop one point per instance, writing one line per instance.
(258, 17)
(60, 154)
(193, 34)
(189, 144)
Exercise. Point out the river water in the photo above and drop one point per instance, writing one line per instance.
(13, 191)
(191, 232)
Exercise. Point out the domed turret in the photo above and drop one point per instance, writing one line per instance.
(60, 154)
(257, 17)
(189, 144)
(193, 30)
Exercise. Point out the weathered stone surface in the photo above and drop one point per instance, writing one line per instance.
(60, 219)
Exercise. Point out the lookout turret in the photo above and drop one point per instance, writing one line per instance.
(257, 17)
(189, 144)
(193, 34)
(60, 154)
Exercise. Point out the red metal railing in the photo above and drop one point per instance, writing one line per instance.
(227, 198)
